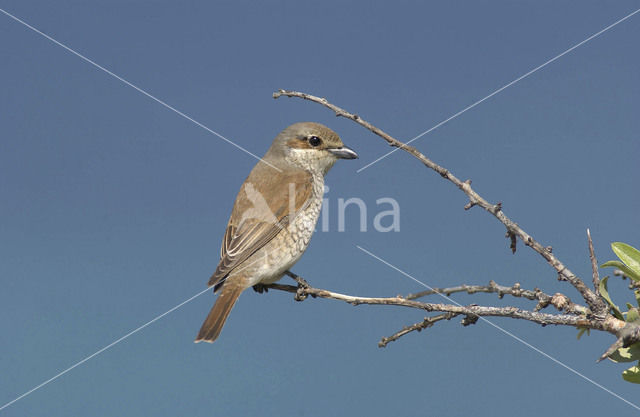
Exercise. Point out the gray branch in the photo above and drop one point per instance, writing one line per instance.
(471, 312)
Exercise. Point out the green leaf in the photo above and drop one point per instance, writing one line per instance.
(605, 294)
(582, 331)
(615, 264)
(629, 255)
(628, 354)
(625, 269)
(632, 315)
(637, 294)
(632, 374)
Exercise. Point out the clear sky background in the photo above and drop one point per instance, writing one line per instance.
(112, 207)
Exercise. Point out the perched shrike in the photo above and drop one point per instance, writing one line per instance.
(274, 216)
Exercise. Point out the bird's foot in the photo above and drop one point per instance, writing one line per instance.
(301, 294)
(260, 288)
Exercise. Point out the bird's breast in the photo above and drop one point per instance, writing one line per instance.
(281, 253)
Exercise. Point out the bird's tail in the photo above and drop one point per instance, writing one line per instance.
(214, 322)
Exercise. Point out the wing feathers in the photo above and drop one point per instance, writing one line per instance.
(260, 212)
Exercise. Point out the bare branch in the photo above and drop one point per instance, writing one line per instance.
(594, 264)
(425, 323)
(475, 199)
(601, 308)
(615, 346)
(559, 301)
(573, 320)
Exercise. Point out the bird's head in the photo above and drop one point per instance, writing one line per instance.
(310, 146)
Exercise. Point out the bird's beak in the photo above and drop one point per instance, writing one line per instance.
(343, 153)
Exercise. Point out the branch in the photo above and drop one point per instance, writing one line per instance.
(559, 301)
(302, 291)
(601, 309)
(427, 322)
(626, 336)
(513, 230)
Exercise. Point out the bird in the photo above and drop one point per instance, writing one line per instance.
(273, 217)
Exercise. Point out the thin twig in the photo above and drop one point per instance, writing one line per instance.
(421, 325)
(601, 309)
(559, 301)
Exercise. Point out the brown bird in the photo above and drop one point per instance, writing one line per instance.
(274, 216)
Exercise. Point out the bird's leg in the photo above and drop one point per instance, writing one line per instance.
(260, 288)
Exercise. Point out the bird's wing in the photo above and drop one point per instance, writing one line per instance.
(267, 203)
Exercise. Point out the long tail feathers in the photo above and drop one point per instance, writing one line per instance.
(214, 322)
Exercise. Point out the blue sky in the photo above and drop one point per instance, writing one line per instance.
(113, 207)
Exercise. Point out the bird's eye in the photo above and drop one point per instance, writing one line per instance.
(314, 141)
